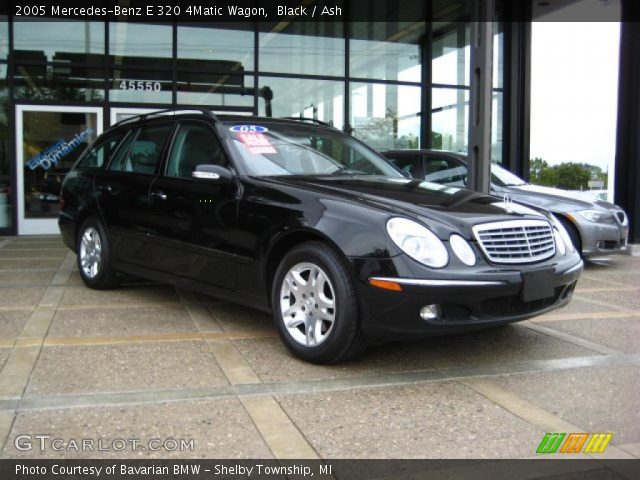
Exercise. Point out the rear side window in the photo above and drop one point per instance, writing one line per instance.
(99, 153)
(144, 152)
(195, 144)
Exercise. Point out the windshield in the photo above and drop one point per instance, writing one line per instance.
(271, 149)
(504, 178)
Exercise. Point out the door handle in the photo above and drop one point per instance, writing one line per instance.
(104, 188)
(159, 195)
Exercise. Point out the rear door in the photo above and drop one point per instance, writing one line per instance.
(193, 221)
(122, 190)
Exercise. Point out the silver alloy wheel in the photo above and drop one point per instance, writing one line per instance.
(90, 252)
(307, 304)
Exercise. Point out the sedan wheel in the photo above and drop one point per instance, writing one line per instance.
(307, 303)
(315, 307)
(90, 252)
(94, 261)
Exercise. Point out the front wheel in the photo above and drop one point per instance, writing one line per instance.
(93, 254)
(315, 307)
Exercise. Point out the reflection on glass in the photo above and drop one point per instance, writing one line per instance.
(386, 116)
(215, 89)
(386, 50)
(450, 119)
(217, 41)
(141, 86)
(293, 97)
(4, 38)
(139, 40)
(59, 41)
(312, 48)
(450, 52)
(52, 141)
(56, 82)
(496, 126)
(5, 159)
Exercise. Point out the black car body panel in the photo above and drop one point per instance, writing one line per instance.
(226, 239)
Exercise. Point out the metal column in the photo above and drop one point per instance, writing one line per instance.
(479, 145)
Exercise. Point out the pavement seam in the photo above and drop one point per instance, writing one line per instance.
(575, 340)
(5, 242)
(15, 374)
(582, 316)
(534, 414)
(600, 303)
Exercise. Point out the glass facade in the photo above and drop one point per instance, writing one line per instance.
(393, 84)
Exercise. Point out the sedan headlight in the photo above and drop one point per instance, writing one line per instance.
(462, 249)
(564, 236)
(596, 216)
(418, 242)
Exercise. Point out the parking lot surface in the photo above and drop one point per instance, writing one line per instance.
(148, 362)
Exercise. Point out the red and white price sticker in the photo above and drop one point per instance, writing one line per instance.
(256, 143)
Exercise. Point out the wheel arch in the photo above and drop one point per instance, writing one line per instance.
(567, 220)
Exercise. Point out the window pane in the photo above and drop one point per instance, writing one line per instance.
(145, 152)
(101, 151)
(56, 82)
(143, 86)
(496, 126)
(386, 116)
(294, 97)
(196, 88)
(194, 145)
(59, 41)
(5, 159)
(451, 54)
(312, 48)
(4, 40)
(52, 142)
(132, 42)
(227, 42)
(450, 118)
(386, 50)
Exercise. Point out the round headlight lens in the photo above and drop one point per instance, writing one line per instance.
(418, 242)
(562, 248)
(462, 249)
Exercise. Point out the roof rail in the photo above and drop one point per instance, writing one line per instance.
(311, 120)
(172, 111)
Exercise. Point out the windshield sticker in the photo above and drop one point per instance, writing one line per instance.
(256, 143)
(249, 129)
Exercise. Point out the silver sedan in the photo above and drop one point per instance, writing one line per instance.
(596, 228)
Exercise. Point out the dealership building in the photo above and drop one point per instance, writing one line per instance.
(397, 76)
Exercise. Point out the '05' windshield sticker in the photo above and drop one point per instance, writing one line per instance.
(249, 129)
(256, 143)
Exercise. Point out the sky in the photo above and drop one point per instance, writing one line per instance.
(574, 88)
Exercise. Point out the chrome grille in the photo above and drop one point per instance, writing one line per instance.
(516, 241)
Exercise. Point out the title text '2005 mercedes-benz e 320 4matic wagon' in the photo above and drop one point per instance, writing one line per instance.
(300, 219)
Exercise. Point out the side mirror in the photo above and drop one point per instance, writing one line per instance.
(214, 173)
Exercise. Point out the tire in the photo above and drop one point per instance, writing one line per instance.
(573, 233)
(336, 335)
(93, 256)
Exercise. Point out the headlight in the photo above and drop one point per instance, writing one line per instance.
(418, 242)
(564, 235)
(596, 216)
(462, 249)
(560, 243)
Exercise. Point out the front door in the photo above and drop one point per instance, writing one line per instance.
(49, 139)
(194, 220)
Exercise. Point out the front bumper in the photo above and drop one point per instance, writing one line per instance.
(483, 299)
(602, 238)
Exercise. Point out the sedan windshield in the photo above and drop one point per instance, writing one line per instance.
(271, 149)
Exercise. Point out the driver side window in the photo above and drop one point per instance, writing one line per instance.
(194, 144)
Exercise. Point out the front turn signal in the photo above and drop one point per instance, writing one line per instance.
(385, 284)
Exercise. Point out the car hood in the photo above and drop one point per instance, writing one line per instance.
(457, 208)
(554, 199)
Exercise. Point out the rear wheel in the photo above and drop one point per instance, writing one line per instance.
(93, 254)
(315, 307)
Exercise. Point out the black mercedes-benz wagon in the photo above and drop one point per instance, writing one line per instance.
(295, 217)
